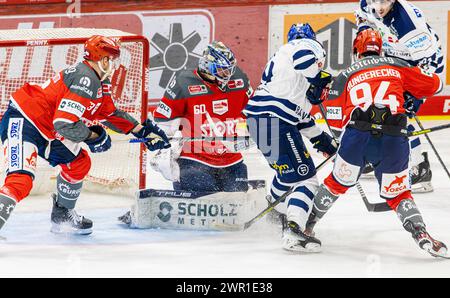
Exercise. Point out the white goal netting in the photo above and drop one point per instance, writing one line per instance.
(35, 55)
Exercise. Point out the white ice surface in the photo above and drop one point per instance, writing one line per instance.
(355, 243)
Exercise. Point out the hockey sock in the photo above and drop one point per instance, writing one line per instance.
(323, 201)
(409, 215)
(67, 192)
(7, 205)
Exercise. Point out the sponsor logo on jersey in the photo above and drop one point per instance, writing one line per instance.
(15, 156)
(294, 147)
(85, 81)
(164, 110)
(418, 42)
(220, 107)
(303, 170)
(396, 185)
(282, 169)
(82, 89)
(72, 107)
(15, 128)
(236, 84)
(221, 128)
(30, 161)
(197, 89)
(344, 171)
(334, 113)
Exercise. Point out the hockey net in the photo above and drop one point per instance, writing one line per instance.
(35, 55)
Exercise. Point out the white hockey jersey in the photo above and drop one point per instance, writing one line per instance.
(286, 78)
(407, 35)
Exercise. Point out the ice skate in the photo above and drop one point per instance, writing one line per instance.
(67, 221)
(295, 240)
(421, 176)
(426, 242)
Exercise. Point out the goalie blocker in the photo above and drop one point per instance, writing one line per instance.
(172, 209)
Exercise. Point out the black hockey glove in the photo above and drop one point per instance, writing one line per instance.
(100, 144)
(411, 105)
(324, 143)
(158, 139)
(314, 92)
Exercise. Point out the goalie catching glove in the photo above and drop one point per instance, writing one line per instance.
(158, 139)
(101, 143)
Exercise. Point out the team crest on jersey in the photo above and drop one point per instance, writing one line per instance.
(197, 89)
(236, 84)
(220, 107)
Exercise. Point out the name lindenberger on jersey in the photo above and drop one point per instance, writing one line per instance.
(378, 73)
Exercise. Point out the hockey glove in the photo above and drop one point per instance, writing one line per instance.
(100, 144)
(158, 139)
(324, 143)
(411, 105)
(314, 92)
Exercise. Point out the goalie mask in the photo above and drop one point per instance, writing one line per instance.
(380, 7)
(300, 30)
(218, 63)
(97, 47)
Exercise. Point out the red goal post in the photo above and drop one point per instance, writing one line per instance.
(35, 55)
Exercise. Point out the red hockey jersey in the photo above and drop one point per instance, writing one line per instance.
(376, 80)
(206, 111)
(74, 94)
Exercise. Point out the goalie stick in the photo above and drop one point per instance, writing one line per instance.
(269, 208)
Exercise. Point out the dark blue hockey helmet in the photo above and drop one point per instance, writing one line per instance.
(301, 30)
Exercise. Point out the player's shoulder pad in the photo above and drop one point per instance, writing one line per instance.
(82, 80)
(310, 44)
(185, 84)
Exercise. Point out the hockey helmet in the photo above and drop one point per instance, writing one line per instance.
(301, 30)
(218, 61)
(367, 41)
(380, 7)
(97, 47)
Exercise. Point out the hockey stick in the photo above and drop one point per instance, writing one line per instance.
(269, 208)
(431, 144)
(427, 130)
(247, 138)
(371, 207)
